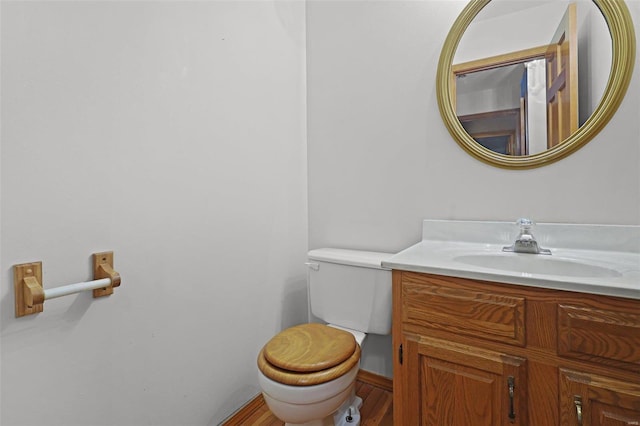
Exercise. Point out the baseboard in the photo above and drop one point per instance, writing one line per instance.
(375, 380)
(239, 417)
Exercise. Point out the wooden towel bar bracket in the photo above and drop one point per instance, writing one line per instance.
(30, 294)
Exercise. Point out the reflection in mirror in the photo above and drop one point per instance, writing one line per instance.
(529, 73)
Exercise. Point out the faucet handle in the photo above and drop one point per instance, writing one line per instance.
(525, 224)
(523, 221)
(525, 241)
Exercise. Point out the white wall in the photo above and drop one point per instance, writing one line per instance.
(594, 59)
(484, 94)
(174, 134)
(381, 160)
(521, 29)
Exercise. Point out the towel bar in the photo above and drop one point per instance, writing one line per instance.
(30, 295)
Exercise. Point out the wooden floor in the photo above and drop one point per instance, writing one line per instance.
(376, 410)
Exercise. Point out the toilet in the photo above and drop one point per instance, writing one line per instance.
(307, 373)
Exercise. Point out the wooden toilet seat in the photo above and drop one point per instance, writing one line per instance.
(308, 354)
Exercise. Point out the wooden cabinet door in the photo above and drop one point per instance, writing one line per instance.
(591, 400)
(457, 385)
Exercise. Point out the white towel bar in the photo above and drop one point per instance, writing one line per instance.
(66, 290)
(30, 296)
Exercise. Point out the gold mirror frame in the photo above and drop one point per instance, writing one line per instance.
(623, 49)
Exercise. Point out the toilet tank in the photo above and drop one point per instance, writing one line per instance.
(349, 288)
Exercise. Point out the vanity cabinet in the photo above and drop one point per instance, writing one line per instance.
(461, 385)
(478, 353)
(609, 402)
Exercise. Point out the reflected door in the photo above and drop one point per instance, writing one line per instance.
(562, 80)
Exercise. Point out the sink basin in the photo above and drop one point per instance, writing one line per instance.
(537, 264)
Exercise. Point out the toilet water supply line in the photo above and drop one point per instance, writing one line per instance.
(30, 294)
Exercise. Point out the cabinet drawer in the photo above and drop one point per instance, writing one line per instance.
(599, 335)
(454, 306)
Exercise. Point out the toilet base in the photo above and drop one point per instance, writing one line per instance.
(347, 415)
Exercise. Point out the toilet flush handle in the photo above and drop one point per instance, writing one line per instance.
(314, 266)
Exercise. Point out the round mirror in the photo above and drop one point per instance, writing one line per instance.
(535, 96)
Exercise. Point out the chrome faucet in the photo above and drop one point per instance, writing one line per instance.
(525, 241)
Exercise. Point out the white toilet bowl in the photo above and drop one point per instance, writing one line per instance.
(310, 405)
(311, 398)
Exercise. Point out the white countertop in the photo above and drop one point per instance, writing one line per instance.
(601, 259)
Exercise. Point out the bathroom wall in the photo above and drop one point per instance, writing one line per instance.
(381, 160)
(172, 133)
